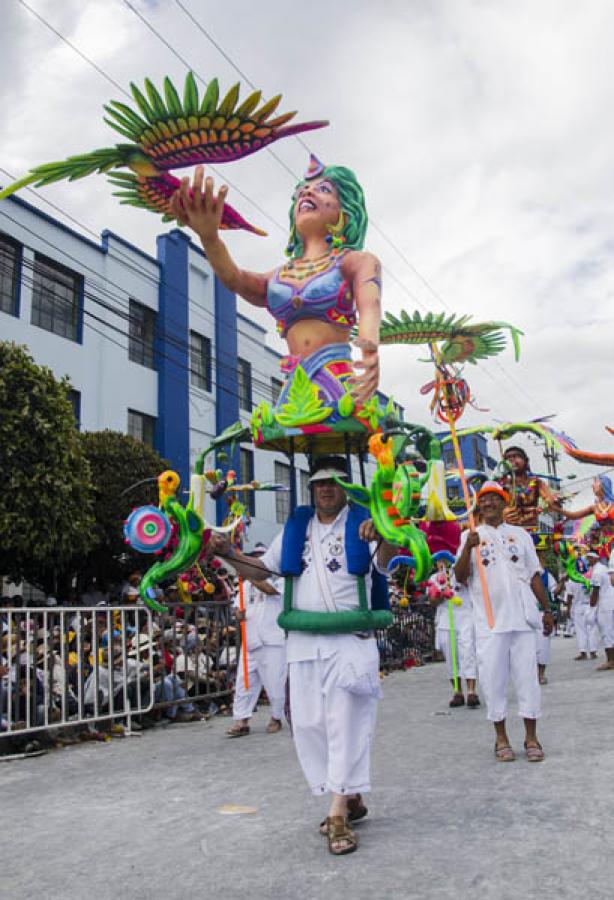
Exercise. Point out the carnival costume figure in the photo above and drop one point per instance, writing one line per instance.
(528, 493)
(331, 564)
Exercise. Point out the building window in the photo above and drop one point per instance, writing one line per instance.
(244, 384)
(276, 386)
(449, 458)
(141, 334)
(9, 276)
(282, 498)
(200, 361)
(56, 294)
(74, 398)
(141, 427)
(305, 488)
(246, 474)
(480, 462)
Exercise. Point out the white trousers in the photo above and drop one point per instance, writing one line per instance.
(501, 657)
(587, 633)
(332, 725)
(605, 623)
(266, 667)
(465, 650)
(543, 647)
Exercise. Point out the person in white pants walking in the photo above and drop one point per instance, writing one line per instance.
(266, 655)
(602, 597)
(587, 633)
(442, 584)
(508, 650)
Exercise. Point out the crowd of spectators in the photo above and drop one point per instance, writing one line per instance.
(84, 659)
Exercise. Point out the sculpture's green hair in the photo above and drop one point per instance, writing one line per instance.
(352, 201)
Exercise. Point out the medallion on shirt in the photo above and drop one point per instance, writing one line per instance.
(333, 552)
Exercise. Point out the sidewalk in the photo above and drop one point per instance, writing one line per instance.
(140, 818)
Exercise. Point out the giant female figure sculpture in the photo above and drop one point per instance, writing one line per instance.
(327, 285)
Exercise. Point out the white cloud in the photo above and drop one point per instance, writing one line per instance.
(482, 132)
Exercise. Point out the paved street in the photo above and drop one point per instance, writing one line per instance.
(140, 818)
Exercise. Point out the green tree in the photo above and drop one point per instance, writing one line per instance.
(117, 462)
(46, 522)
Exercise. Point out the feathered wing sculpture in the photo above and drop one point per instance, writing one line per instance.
(552, 438)
(461, 341)
(173, 133)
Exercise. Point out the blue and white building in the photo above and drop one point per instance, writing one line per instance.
(155, 347)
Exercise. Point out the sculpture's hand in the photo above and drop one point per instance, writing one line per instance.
(201, 209)
(365, 383)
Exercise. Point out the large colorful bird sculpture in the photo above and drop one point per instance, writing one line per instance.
(459, 340)
(173, 133)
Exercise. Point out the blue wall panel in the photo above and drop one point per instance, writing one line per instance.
(226, 387)
(172, 354)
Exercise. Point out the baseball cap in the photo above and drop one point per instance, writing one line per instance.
(493, 487)
(327, 467)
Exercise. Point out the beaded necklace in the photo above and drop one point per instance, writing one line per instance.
(299, 270)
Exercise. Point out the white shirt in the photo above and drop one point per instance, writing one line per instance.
(301, 645)
(261, 612)
(460, 613)
(600, 577)
(509, 561)
(577, 592)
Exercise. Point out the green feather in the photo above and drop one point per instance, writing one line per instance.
(173, 103)
(230, 101)
(143, 105)
(212, 94)
(157, 103)
(190, 96)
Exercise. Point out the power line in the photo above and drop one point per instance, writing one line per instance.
(260, 209)
(125, 302)
(374, 224)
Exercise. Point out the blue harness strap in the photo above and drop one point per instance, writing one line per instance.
(357, 552)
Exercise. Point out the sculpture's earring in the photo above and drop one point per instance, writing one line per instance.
(291, 242)
(335, 234)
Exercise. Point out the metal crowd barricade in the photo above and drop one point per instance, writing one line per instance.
(411, 636)
(198, 646)
(74, 666)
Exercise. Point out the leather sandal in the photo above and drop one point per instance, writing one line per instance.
(534, 752)
(504, 754)
(473, 701)
(238, 731)
(274, 726)
(339, 832)
(356, 811)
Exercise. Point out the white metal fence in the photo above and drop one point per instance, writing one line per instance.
(70, 666)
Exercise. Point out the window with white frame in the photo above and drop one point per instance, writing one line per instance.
(141, 426)
(200, 361)
(244, 384)
(282, 498)
(56, 298)
(141, 332)
(9, 275)
(246, 474)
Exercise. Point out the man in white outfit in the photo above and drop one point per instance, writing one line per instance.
(266, 655)
(543, 640)
(602, 597)
(464, 633)
(507, 650)
(334, 677)
(587, 634)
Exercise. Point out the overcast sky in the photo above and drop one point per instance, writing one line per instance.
(482, 132)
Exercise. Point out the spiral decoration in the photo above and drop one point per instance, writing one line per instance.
(147, 529)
